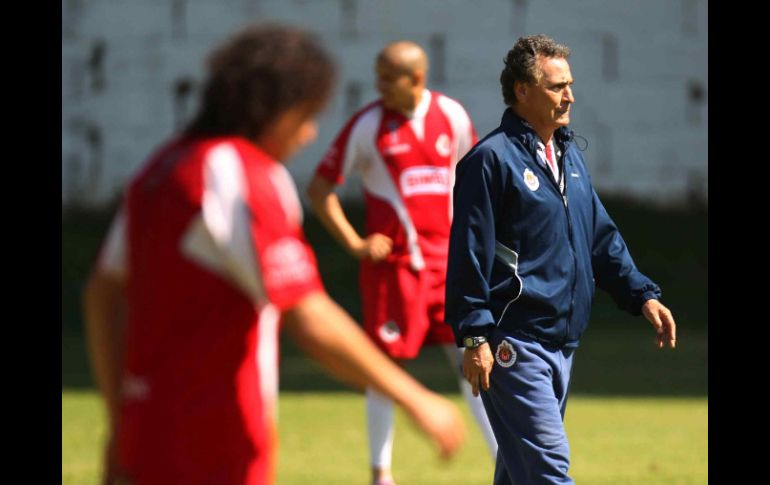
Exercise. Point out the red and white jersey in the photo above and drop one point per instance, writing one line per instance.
(210, 246)
(407, 166)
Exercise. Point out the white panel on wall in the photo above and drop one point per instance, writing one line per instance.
(131, 72)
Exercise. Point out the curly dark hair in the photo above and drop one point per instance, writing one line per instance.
(521, 62)
(258, 74)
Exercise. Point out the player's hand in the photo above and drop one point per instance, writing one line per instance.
(663, 321)
(374, 248)
(438, 418)
(477, 364)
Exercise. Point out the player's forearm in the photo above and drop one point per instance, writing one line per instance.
(327, 207)
(104, 311)
(333, 218)
(326, 332)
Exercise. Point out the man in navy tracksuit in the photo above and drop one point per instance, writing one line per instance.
(530, 240)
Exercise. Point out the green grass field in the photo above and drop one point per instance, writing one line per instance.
(636, 415)
(614, 441)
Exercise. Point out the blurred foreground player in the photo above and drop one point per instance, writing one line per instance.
(203, 264)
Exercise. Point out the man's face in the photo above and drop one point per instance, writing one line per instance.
(289, 133)
(397, 87)
(548, 102)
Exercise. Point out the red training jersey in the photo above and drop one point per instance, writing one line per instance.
(407, 167)
(210, 245)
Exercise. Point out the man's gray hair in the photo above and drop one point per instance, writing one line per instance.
(521, 62)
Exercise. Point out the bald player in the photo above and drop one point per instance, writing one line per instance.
(404, 146)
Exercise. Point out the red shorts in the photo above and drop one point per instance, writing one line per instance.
(404, 309)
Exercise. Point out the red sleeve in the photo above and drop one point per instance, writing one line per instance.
(287, 264)
(289, 269)
(331, 165)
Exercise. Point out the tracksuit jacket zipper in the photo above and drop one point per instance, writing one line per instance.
(563, 177)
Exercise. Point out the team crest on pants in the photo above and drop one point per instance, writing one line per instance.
(505, 355)
(389, 331)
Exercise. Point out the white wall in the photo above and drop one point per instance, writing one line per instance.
(647, 136)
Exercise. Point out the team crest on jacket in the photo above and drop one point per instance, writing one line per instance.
(505, 355)
(531, 180)
(389, 332)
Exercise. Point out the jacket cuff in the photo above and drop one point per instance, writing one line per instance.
(647, 295)
(477, 323)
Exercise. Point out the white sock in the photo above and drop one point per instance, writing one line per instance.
(379, 424)
(455, 355)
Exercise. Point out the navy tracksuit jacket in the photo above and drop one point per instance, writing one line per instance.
(524, 261)
(524, 258)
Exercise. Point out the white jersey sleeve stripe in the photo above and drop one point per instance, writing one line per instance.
(463, 138)
(287, 193)
(361, 146)
(461, 126)
(378, 182)
(219, 239)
